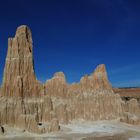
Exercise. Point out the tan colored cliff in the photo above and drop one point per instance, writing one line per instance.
(35, 115)
(131, 112)
(98, 80)
(91, 99)
(57, 85)
(40, 108)
(93, 83)
(99, 106)
(23, 104)
(19, 77)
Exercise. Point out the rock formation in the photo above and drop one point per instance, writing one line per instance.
(98, 106)
(35, 115)
(131, 112)
(97, 80)
(30, 109)
(27, 104)
(101, 79)
(57, 86)
(19, 77)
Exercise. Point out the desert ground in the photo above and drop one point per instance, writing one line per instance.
(81, 130)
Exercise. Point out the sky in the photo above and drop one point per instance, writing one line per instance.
(74, 36)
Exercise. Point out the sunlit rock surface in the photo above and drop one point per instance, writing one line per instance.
(27, 104)
(19, 77)
(57, 85)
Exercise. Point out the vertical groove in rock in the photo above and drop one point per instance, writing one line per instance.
(57, 86)
(19, 65)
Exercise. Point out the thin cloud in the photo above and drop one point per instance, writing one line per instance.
(130, 83)
(124, 69)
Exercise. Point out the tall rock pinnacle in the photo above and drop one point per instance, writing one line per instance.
(100, 78)
(19, 76)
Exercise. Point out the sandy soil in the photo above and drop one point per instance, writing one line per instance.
(81, 130)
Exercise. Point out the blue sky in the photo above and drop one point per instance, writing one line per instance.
(74, 36)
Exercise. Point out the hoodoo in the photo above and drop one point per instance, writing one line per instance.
(23, 104)
(41, 108)
(19, 77)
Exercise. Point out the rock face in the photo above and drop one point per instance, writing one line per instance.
(19, 77)
(98, 80)
(57, 86)
(98, 106)
(101, 79)
(131, 111)
(23, 104)
(35, 115)
(37, 108)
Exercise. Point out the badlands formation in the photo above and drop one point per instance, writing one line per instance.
(27, 104)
